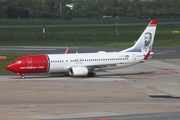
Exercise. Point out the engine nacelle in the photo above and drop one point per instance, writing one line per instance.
(78, 71)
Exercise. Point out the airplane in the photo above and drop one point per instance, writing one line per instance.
(86, 64)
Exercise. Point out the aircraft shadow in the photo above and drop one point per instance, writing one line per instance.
(99, 75)
(125, 74)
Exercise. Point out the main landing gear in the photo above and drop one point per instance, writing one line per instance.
(22, 75)
(91, 74)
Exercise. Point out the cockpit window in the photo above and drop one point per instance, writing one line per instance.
(17, 62)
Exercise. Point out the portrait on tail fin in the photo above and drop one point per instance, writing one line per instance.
(147, 42)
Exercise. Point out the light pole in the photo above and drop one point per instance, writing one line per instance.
(60, 8)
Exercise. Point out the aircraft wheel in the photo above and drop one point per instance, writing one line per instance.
(22, 77)
(66, 74)
(91, 74)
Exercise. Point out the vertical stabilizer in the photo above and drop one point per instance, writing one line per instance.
(145, 42)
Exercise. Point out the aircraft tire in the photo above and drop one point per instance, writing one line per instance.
(91, 74)
(23, 77)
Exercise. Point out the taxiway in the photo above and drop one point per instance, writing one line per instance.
(146, 91)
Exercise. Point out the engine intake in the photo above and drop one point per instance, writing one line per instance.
(78, 71)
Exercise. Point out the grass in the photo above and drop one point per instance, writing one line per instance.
(87, 36)
(59, 22)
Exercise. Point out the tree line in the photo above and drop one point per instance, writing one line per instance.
(14, 9)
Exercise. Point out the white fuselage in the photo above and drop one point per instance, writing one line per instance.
(109, 60)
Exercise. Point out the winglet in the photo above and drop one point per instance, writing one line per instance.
(67, 50)
(147, 56)
(153, 22)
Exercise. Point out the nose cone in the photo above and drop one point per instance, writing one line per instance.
(10, 67)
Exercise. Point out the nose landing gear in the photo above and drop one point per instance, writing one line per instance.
(22, 75)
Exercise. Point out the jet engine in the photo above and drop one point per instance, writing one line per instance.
(78, 71)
